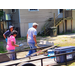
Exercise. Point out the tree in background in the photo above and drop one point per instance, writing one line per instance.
(1, 13)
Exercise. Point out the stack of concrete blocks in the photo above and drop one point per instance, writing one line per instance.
(46, 43)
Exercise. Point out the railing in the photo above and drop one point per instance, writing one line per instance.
(58, 18)
(68, 13)
(52, 56)
(49, 23)
(24, 50)
(52, 23)
(41, 58)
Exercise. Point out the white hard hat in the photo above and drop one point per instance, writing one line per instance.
(35, 24)
(10, 27)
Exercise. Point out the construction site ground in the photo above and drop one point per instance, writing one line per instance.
(62, 40)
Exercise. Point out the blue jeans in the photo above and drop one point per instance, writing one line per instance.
(31, 45)
(13, 55)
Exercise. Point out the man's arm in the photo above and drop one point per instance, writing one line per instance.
(27, 36)
(34, 37)
(4, 36)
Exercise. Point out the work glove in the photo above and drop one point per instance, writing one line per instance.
(36, 45)
(6, 39)
(20, 45)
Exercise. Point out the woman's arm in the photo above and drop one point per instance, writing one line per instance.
(14, 44)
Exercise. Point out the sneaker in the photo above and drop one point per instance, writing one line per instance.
(27, 55)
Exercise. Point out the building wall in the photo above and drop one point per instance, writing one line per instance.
(73, 21)
(61, 27)
(5, 23)
(15, 18)
(68, 25)
(34, 16)
(7, 11)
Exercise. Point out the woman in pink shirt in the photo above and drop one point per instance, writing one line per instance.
(11, 44)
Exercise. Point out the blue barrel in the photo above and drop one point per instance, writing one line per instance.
(66, 49)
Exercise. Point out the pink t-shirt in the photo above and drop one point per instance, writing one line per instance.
(9, 45)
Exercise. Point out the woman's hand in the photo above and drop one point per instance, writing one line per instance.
(20, 45)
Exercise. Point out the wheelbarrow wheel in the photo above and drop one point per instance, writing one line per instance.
(26, 64)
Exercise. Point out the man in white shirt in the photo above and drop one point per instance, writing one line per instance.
(31, 38)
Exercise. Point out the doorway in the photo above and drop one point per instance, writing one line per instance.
(60, 11)
(30, 25)
(65, 25)
(58, 30)
(1, 28)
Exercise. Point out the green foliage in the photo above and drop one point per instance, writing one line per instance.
(23, 38)
(2, 49)
(1, 36)
(1, 14)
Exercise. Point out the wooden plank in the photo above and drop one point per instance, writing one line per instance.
(63, 26)
(4, 58)
(46, 62)
(12, 62)
(54, 19)
(71, 25)
(68, 18)
(25, 50)
(20, 60)
(44, 50)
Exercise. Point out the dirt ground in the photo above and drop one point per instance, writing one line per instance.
(62, 40)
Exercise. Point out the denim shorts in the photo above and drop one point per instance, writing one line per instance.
(13, 55)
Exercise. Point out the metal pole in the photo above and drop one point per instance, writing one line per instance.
(41, 62)
(63, 20)
(71, 20)
(54, 19)
(65, 60)
(63, 13)
(71, 13)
